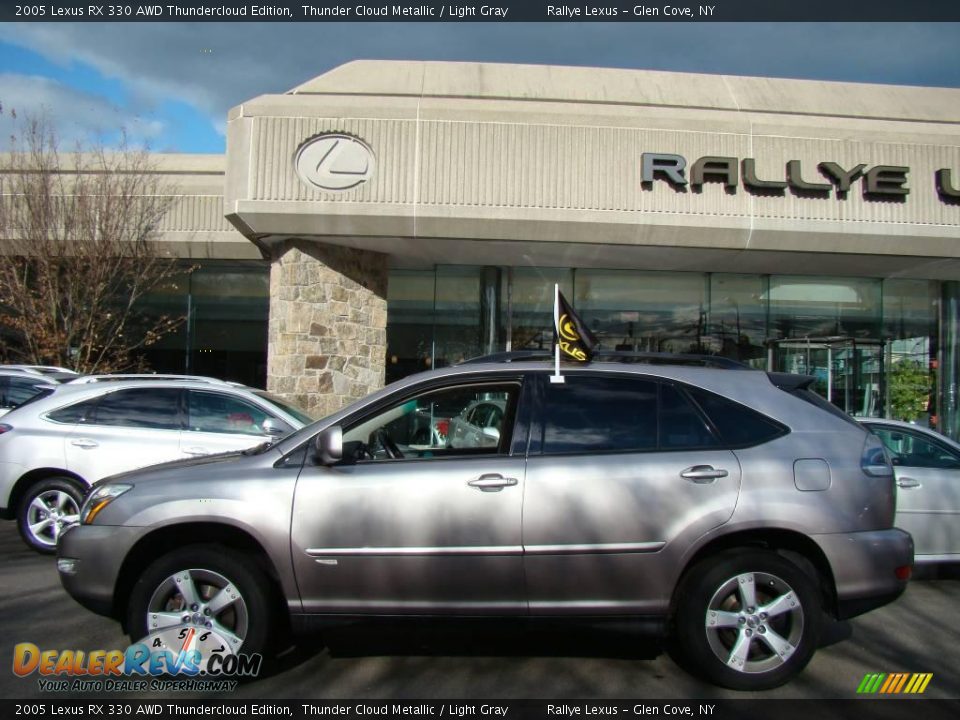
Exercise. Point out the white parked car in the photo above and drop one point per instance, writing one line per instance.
(53, 448)
(19, 386)
(927, 468)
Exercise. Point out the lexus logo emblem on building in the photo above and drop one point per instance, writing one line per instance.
(334, 161)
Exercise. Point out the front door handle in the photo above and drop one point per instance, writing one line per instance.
(908, 482)
(85, 443)
(492, 482)
(703, 474)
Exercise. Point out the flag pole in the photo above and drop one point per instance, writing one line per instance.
(556, 377)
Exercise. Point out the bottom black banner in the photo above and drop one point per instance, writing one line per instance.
(860, 709)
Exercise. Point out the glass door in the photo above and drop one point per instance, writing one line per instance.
(849, 372)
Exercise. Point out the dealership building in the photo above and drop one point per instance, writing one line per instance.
(389, 217)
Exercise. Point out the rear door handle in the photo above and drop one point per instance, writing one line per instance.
(492, 482)
(703, 474)
(908, 482)
(85, 443)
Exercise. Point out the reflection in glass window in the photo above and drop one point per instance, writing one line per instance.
(219, 413)
(739, 426)
(737, 326)
(157, 408)
(530, 297)
(410, 295)
(820, 307)
(644, 311)
(592, 414)
(19, 390)
(681, 425)
(453, 421)
(909, 449)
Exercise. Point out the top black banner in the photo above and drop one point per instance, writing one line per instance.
(853, 11)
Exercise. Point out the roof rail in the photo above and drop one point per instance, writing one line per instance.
(41, 369)
(624, 356)
(149, 376)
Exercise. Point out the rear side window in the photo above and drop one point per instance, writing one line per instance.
(22, 389)
(157, 408)
(597, 414)
(76, 413)
(738, 425)
(682, 426)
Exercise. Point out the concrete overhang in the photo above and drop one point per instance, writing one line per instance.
(530, 165)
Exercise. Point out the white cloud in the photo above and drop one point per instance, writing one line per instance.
(214, 66)
(90, 116)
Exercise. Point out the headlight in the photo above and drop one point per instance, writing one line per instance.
(99, 499)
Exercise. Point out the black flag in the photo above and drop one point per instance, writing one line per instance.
(575, 339)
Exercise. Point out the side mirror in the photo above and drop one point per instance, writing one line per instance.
(275, 427)
(329, 445)
(491, 432)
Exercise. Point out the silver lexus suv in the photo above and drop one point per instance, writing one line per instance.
(727, 507)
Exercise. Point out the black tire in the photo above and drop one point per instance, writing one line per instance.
(249, 616)
(741, 647)
(45, 509)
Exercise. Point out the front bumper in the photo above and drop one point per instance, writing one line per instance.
(97, 552)
(865, 567)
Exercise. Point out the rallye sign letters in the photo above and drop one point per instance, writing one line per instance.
(878, 182)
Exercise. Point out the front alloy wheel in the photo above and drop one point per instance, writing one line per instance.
(204, 588)
(202, 599)
(747, 620)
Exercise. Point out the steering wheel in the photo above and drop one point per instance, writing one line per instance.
(388, 445)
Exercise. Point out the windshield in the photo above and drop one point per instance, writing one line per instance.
(287, 407)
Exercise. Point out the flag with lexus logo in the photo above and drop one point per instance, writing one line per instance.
(574, 337)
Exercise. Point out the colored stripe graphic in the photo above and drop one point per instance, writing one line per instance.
(871, 683)
(894, 683)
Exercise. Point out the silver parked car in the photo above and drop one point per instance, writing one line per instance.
(927, 468)
(18, 387)
(53, 448)
(728, 507)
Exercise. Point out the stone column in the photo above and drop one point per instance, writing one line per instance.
(328, 325)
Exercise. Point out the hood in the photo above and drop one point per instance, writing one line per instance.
(163, 471)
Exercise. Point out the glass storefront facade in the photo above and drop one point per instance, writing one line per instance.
(872, 344)
(225, 308)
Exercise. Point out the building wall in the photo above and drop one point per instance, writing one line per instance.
(544, 165)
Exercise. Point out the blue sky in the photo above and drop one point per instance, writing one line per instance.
(170, 85)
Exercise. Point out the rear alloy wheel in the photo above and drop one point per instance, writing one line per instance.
(748, 620)
(45, 511)
(204, 587)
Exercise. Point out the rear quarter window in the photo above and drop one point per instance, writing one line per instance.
(737, 425)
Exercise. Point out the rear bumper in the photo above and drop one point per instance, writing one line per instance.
(865, 567)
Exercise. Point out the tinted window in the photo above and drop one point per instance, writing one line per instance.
(157, 408)
(75, 413)
(739, 426)
(682, 426)
(219, 413)
(909, 449)
(22, 389)
(590, 414)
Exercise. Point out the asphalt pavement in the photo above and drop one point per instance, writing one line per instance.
(919, 633)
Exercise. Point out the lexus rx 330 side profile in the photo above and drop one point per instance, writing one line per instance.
(728, 508)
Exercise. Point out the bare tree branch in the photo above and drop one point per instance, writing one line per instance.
(79, 233)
